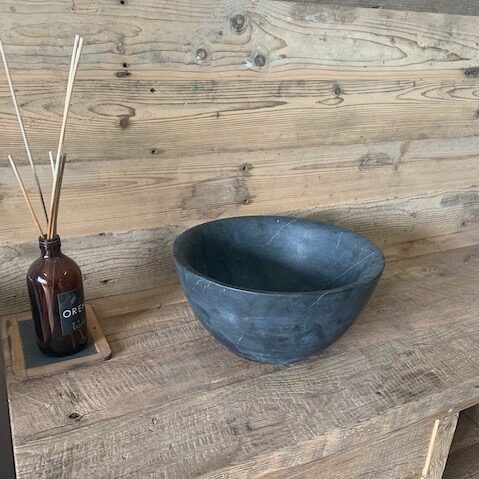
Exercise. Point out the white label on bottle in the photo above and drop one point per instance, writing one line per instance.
(71, 307)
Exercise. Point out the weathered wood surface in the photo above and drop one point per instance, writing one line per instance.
(150, 36)
(354, 106)
(139, 260)
(125, 120)
(463, 462)
(110, 196)
(122, 118)
(439, 446)
(333, 76)
(172, 402)
(399, 455)
(402, 454)
(457, 7)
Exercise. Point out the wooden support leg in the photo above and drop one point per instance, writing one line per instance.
(441, 439)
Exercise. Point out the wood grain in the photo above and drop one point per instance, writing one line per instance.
(119, 263)
(439, 446)
(399, 455)
(110, 263)
(111, 120)
(456, 7)
(365, 117)
(196, 410)
(148, 36)
(171, 191)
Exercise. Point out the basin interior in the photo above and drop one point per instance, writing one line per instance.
(278, 254)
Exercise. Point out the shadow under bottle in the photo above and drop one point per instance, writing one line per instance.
(55, 288)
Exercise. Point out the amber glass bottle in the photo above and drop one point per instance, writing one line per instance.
(55, 288)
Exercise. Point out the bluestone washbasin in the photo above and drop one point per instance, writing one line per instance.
(276, 289)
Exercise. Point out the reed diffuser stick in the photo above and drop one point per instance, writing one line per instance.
(25, 195)
(62, 131)
(22, 129)
(52, 161)
(77, 46)
(59, 181)
(56, 178)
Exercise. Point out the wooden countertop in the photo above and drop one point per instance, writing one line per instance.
(173, 402)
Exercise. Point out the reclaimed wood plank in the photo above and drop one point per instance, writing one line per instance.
(455, 7)
(117, 263)
(150, 36)
(400, 455)
(160, 192)
(439, 446)
(111, 120)
(409, 358)
(111, 264)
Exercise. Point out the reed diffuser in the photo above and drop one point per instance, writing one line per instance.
(54, 280)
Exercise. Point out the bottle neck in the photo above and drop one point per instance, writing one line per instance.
(50, 248)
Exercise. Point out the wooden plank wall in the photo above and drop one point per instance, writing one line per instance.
(187, 111)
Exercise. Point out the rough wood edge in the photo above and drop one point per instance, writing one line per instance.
(15, 350)
(440, 443)
(96, 332)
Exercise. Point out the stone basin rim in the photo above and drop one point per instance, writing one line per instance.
(370, 278)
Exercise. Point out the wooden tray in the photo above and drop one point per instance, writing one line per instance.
(29, 362)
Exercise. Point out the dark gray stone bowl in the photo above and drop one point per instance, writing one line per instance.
(276, 289)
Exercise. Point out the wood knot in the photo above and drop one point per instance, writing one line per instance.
(238, 23)
(260, 60)
(124, 122)
(472, 72)
(374, 159)
(201, 54)
(75, 416)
